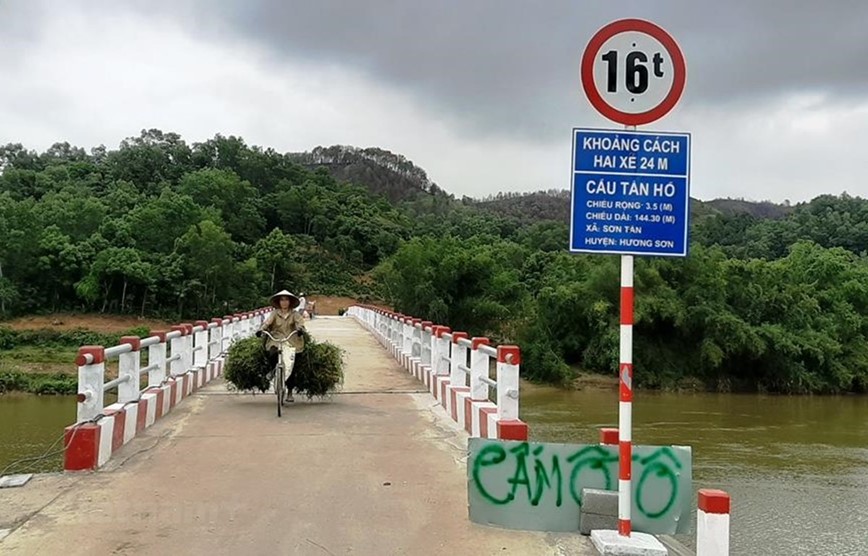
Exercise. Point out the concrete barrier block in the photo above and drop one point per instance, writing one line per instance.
(82, 447)
(590, 522)
(602, 502)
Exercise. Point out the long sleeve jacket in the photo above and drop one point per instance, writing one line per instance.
(281, 325)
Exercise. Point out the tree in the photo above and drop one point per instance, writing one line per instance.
(236, 200)
(158, 222)
(208, 263)
(279, 255)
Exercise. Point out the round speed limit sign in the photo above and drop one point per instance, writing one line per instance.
(633, 72)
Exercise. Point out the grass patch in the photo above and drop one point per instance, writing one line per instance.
(47, 338)
(43, 384)
(61, 356)
(48, 357)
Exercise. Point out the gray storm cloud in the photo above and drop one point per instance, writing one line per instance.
(510, 66)
(481, 93)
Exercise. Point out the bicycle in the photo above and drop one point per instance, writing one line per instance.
(285, 354)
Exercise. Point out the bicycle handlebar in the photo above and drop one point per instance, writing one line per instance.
(281, 340)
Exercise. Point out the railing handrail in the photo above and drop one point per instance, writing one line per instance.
(434, 345)
(171, 354)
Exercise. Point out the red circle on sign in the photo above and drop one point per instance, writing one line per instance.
(642, 26)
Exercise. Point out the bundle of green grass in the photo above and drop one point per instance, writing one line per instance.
(318, 369)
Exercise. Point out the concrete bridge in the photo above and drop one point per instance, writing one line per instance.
(185, 466)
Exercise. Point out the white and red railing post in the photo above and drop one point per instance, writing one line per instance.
(712, 523)
(478, 388)
(228, 331)
(509, 426)
(407, 342)
(440, 344)
(128, 370)
(215, 345)
(414, 362)
(157, 359)
(91, 373)
(458, 371)
(200, 344)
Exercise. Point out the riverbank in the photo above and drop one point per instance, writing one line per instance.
(587, 381)
(54, 384)
(99, 323)
(44, 369)
(590, 382)
(37, 352)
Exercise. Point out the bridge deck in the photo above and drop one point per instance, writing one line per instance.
(374, 470)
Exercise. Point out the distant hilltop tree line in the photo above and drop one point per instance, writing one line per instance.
(380, 159)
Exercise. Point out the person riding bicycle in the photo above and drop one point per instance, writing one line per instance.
(281, 323)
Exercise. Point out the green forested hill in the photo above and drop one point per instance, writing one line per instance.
(161, 227)
(768, 299)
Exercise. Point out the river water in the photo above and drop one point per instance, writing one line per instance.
(29, 426)
(796, 467)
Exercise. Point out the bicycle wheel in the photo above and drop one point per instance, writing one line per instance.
(278, 388)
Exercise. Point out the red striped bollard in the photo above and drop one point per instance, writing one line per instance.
(712, 523)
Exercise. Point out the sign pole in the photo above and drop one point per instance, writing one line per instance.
(625, 405)
(630, 196)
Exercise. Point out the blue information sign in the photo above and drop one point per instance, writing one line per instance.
(631, 192)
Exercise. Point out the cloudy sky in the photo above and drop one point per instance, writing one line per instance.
(480, 93)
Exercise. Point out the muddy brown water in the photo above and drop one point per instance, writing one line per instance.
(796, 467)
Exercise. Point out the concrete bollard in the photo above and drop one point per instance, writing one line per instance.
(712, 523)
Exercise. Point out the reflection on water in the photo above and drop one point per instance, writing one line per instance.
(796, 467)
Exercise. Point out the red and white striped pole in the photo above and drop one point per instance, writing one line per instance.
(625, 407)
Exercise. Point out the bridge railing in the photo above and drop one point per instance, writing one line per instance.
(456, 369)
(179, 361)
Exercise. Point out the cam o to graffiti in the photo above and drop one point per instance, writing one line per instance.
(531, 473)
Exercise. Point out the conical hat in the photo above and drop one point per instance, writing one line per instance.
(293, 300)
